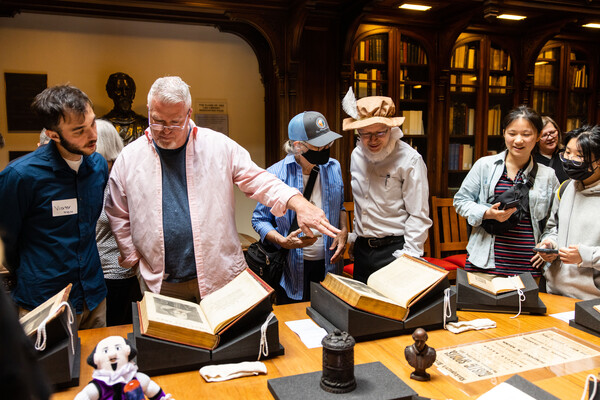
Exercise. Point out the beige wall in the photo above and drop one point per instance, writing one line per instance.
(85, 51)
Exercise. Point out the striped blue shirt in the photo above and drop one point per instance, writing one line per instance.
(332, 194)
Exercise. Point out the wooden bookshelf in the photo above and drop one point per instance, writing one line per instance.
(388, 62)
(563, 84)
(481, 92)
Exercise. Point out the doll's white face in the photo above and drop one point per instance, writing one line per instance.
(112, 353)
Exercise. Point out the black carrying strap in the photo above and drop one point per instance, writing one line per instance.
(307, 193)
(532, 174)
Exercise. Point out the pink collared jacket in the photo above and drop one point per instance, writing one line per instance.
(214, 163)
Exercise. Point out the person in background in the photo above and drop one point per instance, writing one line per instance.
(309, 259)
(50, 201)
(171, 203)
(389, 185)
(547, 149)
(122, 283)
(508, 253)
(574, 228)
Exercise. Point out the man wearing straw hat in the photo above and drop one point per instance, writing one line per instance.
(389, 186)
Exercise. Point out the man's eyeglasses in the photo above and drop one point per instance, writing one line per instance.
(369, 136)
(575, 160)
(160, 127)
(549, 134)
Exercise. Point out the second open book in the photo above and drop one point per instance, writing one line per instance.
(390, 291)
(199, 325)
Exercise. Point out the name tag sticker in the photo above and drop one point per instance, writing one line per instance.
(64, 207)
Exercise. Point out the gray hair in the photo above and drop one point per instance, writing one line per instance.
(109, 143)
(170, 90)
(44, 139)
(289, 148)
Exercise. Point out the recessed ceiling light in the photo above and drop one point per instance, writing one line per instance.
(417, 7)
(592, 25)
(511, 17)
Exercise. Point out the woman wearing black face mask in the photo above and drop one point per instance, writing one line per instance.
(309, 259)
(574, 228)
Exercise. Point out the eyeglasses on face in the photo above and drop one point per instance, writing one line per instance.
(159, 127)
(369, 136)
(573, 159)
(549, 134)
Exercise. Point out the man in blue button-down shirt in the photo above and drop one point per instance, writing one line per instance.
(50, 201)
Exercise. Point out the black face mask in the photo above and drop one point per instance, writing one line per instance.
(578, 173)
(317, 157)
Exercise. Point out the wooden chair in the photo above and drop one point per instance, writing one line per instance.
(348, 265)
(450, 233)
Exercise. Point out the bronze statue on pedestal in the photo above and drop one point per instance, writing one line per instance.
(419, 355)
(130, 125)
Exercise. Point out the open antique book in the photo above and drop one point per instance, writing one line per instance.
(495, 284)
(391, 291)
(50, 308)
(199, 325)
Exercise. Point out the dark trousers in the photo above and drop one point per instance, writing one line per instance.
(368, 259)
(314, 271)
(121, 293)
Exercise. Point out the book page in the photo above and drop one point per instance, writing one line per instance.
(172, 311)
(362, 288)
(494, 284)
(34, 318)
(597, 307)
(404, 279)
(225, 304)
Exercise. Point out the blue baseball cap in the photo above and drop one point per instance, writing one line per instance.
(311, 127)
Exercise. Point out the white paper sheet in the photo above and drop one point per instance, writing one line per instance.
(310, 333)
(564, 316)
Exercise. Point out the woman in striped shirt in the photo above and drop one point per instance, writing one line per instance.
(510, 252)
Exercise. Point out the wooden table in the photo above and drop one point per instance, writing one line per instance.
(298, 359)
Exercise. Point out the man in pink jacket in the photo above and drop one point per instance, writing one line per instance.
(171, 203)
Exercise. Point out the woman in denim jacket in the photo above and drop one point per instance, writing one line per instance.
(508, 253)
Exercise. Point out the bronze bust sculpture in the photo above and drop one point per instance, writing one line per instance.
(419, 355)
(121, 89)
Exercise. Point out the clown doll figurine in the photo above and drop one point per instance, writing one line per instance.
(116, 377)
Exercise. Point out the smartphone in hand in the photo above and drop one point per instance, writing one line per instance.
(506, 206)
(543, 250)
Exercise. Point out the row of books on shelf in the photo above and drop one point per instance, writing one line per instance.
(574, 123)
(463, 83)
(543, 75)
(412, 53)
(579, 77)
(413, 122)
(498, 84)
(366, 83)
(462, 119)
(499, 60)
(544, 102)
(494, 121)
(460, 156)
(464, 57)
(372, 49)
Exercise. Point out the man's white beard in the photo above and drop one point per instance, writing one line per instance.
(382, 154)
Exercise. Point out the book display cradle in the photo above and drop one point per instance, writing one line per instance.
(330, 312)
(60, 359)
(240, 343)
(587, 318)
(472, 298)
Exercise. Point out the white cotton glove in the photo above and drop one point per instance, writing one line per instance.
(224, 372)
(476, 324)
